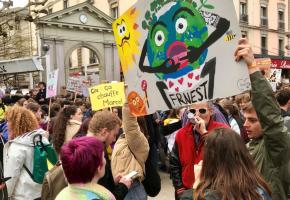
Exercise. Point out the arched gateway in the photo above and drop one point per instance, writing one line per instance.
(78, 27)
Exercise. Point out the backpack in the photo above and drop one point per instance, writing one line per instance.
(43, 153)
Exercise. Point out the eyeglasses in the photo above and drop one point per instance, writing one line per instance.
(201, 110)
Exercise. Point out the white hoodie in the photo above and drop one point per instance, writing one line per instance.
(18, 152)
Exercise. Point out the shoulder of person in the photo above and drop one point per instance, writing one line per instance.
(211, 195)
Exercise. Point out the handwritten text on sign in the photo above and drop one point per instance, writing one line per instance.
(107, 95)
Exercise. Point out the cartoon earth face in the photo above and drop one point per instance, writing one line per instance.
(171, 36)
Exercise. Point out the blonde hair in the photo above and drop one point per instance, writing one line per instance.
(103, 119)
(20, 121)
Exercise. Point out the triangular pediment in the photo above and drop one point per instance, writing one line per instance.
(81, 15)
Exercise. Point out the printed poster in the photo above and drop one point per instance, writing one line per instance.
(51, 89)
(177, 52)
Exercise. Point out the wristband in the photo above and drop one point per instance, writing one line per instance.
(253, 65)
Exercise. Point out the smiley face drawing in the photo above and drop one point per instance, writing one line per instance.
(177, 45)
(136, 104)
(127, 36)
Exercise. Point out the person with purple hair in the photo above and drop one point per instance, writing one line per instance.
(83, 163)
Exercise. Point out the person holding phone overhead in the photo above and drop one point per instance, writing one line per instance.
(130, 153)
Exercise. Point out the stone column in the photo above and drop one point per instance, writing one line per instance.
(60, 64)
(116, 64)
(109, 62)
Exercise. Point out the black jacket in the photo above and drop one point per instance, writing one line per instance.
(41, 95)
(119, 190)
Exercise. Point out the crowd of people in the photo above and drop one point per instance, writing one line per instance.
(231, 148)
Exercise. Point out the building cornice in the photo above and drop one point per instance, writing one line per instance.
(247, 26)
(74, 26)
(79, 7)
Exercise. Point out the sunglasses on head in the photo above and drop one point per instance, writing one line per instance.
(201, 110)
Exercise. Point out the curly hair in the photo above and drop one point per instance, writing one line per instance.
(103, 119)
(20, 120)
(59, 127)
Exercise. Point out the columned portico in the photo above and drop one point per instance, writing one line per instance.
(78, 26)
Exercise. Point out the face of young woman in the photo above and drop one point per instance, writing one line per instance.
(78, 116)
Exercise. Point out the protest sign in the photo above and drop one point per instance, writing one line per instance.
(178, 52)
(73, 85)
(51, 88)
(107, 95)
(275, 78)
(88, 81)
(82, 83)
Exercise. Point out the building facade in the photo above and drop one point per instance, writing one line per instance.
(80, 37)
(76, 35)
(266, 24)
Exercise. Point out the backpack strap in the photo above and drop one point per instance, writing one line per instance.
(34, 144)
(29, 172)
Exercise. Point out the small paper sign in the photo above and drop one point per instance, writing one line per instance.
(107, 95)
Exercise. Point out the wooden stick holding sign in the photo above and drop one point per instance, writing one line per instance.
(48, 115)
(76, 93)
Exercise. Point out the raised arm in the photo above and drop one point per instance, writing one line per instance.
(137, 141)
(276, 137)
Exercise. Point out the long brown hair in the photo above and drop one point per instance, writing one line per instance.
(228, 169)
(59, 127)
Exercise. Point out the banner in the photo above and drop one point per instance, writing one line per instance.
(107, 95)
(51, 88)
(280, 64)
(177, 52)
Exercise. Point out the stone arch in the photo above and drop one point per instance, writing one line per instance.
(74, 46)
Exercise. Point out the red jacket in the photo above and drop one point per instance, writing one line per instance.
(188, 153)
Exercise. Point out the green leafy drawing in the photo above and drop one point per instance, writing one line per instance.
(204, 4)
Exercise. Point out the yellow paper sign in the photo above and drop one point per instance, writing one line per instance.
(107, 95)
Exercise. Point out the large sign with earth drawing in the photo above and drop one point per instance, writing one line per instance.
(177, 52)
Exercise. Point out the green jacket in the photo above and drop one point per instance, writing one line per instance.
(271, 153)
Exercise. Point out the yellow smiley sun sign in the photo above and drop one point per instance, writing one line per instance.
(127, 36)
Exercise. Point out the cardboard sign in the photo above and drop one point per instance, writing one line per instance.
(51, 89)
(82, 83)
(107, 95)
(87, 82)
(73, 85)
(275, 78)
(177, 52)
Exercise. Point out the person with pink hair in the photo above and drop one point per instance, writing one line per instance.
(83, 163)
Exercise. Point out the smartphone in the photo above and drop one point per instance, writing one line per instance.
(2, 180)
(131, 175)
